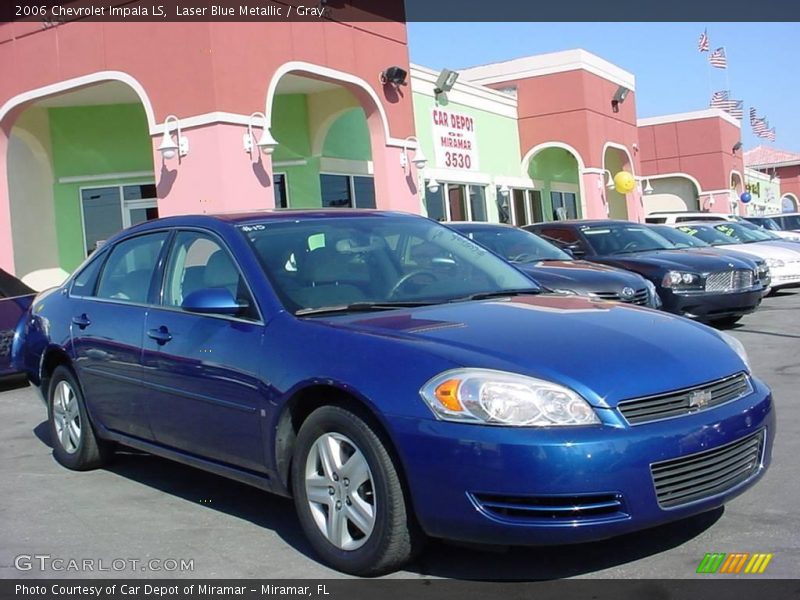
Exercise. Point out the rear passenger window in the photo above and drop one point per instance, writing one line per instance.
(655, 220)
(85, 282)
(129, 269)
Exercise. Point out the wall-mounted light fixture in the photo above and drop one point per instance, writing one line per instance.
(433, 186)
(619, 97)
(609, 183)
(266, 143)
(648, 189)
(393, 76)
(419, 157)
(736, 147)
(445, 82)
(169, 147)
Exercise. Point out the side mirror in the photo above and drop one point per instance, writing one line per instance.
(214, 301)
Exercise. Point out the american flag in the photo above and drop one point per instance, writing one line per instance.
(770, 134)
(702, 43)
(737, 110)
(760, 127)
(753, 117)
(718, 59)
(719, 98)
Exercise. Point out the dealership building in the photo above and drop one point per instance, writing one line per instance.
(220, 117)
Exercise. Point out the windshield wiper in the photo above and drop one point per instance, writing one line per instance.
(358, 307)
(498, 294)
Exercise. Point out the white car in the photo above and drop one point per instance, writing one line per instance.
(669, 217)
(771, 226)
(782, 260)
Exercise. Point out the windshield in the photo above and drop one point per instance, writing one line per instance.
(790, 221)
(764, 222)
(708, 234)
(743, 233)
(375, 260)
(624, 238)
(679, 238)
(514, 244)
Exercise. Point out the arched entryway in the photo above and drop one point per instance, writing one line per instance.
(615, 159)
(79, 167)
(334, 148)
(789, 203)
(675, 192)
(555, 169)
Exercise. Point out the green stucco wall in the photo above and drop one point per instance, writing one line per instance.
(497, 137)
(86, 141)
(554, 165)
(348, 137)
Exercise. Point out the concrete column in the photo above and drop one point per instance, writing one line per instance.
(593, 194)
(6, 239)
(394, 188)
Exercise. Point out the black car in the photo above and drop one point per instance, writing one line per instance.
(681, 239)
(692, 284)
(557, 271)
(15, 298)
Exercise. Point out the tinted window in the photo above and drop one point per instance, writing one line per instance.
(515, 245)
(340, 261)
(129, 269)
(102, 215)
(84, 284)
(655, 219)
(679, 238)
(708, 234)
(563, 236)
(623, 239)
(198, 261)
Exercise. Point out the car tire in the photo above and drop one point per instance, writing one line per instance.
(75, 443)
(367, 529)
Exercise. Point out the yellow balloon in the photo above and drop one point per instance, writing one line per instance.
(624, 182)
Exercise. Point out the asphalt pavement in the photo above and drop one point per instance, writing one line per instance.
(143, 516)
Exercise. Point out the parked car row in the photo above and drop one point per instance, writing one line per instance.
(399, 380)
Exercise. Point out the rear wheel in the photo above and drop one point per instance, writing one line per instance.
(75, 444)
(349, 497)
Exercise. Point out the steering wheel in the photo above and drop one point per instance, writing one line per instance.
(408, 277)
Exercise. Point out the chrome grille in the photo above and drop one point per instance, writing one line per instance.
(682, 402)
(730, 281)
(639, 297)
(705, 474)
(550, 508)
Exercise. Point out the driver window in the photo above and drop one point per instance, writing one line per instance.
(197, 262)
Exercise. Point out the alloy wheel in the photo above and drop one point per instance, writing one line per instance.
(67, 417)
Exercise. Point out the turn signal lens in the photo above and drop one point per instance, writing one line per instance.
(447, 393)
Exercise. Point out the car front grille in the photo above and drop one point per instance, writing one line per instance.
(682, 402)
(730, 281)
(709, 473)
(639, 297)
(551, 508)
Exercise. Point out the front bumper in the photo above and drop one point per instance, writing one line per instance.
(457, 472)
(786, 276)
(709, 306)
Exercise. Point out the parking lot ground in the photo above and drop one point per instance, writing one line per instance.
(145, 508)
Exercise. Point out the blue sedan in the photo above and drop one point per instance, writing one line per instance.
(396, 379)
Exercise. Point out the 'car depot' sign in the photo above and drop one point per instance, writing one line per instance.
(454, 140)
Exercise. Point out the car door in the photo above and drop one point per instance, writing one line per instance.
(108, 304)
(202, 370)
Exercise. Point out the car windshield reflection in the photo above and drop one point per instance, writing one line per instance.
(352, 264)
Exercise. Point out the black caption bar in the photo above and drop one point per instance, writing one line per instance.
(55, 11)
(398, 589)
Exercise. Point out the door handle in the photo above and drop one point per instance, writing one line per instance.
(160, 335)
(82, 321)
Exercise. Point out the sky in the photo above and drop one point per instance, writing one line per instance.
(671, 75)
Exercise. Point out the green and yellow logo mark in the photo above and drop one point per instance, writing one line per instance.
(737, 562)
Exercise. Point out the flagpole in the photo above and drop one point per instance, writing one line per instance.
(708, 66)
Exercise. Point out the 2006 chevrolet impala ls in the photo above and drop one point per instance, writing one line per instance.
(396, 379)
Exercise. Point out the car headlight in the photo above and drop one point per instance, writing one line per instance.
(773, 263)
(500, 398)
(680, 280)
(655, 299)
(736, 346)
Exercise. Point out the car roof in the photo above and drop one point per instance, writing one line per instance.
(477, 225)
(585, 222)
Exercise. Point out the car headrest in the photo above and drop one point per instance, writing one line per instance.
(220, 272)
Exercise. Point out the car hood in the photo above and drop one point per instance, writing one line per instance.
(765, 250)
(581, 276)
(687, 260)
(605, 351)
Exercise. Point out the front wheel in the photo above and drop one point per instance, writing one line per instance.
(349, 497)
(75, 444)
